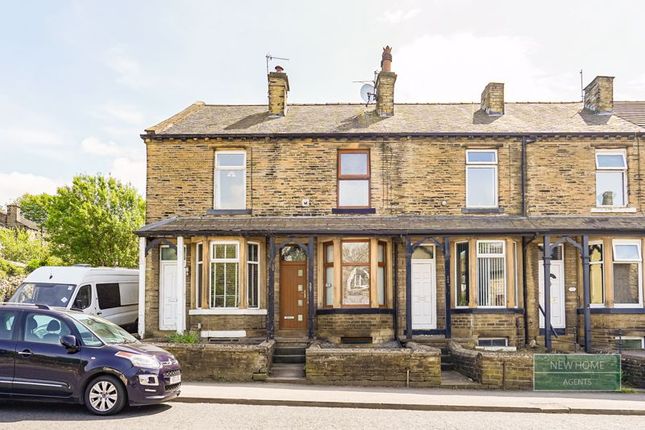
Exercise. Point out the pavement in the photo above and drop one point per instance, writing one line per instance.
(414, 399)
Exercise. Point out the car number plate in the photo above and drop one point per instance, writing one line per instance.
(175, 379)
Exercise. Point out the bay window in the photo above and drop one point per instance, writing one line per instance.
(355, 272)
(381, 273)
(462, 283)
(596, 274)
(253, 274)
(491, 273)
(627, 273)
(199, 274)
(224, 275)
(611, 179)
(329, 274)
(230, 180)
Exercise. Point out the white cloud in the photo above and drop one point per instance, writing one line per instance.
(94, 145)
(125, 113)
(15, 184)
(132, 171)
(399, 15)
(30, 136)
(127, 69)
(456, 67)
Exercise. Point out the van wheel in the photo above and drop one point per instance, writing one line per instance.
(105, 395)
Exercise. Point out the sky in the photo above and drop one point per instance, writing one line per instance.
(81, 80)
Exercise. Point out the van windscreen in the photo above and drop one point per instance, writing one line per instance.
(44, 294)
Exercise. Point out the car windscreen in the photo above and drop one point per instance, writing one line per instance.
(106, 331)
(44, 294)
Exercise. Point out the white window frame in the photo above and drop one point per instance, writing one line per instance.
(213, 259)
(458, 281)
(216, 188)
(199, 272)
(483, 165)
(256, 263)
(622, 338)
(623, 169)
(503, 255)
(604, 268)
(636, 242)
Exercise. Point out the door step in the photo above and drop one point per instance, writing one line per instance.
(293, 373)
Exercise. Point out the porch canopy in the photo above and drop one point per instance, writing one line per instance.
(402, 225)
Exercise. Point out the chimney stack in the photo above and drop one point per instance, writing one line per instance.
(13, 215)
(492, 100)
(599, 95)
(385, 85)
(278, 89)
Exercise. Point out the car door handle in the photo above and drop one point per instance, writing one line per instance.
(25, 353)
(99, 313)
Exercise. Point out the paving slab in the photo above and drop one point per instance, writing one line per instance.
(413, 399)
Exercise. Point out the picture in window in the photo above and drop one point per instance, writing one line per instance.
(355, 262)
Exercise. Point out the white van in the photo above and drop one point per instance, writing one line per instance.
(110, 293)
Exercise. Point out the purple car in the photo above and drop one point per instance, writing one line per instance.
(59, 355)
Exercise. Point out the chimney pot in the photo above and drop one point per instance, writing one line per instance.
(385, 85)
(599, 95)
(279, 69)
(492, 99)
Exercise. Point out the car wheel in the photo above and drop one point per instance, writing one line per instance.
(105, 395)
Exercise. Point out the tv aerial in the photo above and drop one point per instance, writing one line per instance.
(270, 58)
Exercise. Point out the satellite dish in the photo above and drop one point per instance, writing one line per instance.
(367, 93)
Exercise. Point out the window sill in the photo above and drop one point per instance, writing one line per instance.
(361, 211)
(482, 210)
(610, 209)
(228, 212)
(227, 311)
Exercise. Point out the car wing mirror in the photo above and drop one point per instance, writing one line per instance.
(69, 342)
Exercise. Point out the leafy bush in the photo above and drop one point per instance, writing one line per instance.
(21, 246)
(50, 260)
(187, 337)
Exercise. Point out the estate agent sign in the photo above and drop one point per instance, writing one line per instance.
(576, 372)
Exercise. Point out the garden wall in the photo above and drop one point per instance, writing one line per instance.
(633, 367)
(414, 365)
(507, 370)
(222, 362)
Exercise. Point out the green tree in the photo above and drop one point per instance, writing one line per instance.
(35, 207)
(93, 220)
(21, 246)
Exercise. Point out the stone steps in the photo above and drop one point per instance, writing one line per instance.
(288, 361)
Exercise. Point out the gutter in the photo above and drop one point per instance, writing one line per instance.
(185, 136)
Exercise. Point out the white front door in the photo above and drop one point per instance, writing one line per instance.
(168, 295)
(424, 294)
(556, 289)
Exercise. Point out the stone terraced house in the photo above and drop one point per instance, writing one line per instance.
(365, 224)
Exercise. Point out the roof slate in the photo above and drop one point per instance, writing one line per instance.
(632, 111)
(391, 225)
(202, 119)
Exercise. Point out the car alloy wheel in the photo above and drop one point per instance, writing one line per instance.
(105, 396)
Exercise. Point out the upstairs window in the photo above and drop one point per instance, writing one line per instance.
(611, 179)
(627, 272)
(230, 180)
(353, 179)
(481, 178)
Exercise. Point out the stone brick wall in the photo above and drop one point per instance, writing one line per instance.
(331, 327)
(419, 365)
(633, 368)
(477, 325)
(606, 327)
(222, 362)
(254, 325)
(507, 370)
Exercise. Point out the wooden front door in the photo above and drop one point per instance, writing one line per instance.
(293, 289)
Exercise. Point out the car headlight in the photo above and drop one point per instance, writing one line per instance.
(140, 360)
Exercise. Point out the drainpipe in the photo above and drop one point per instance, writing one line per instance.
(525, 244)
(523, 175)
